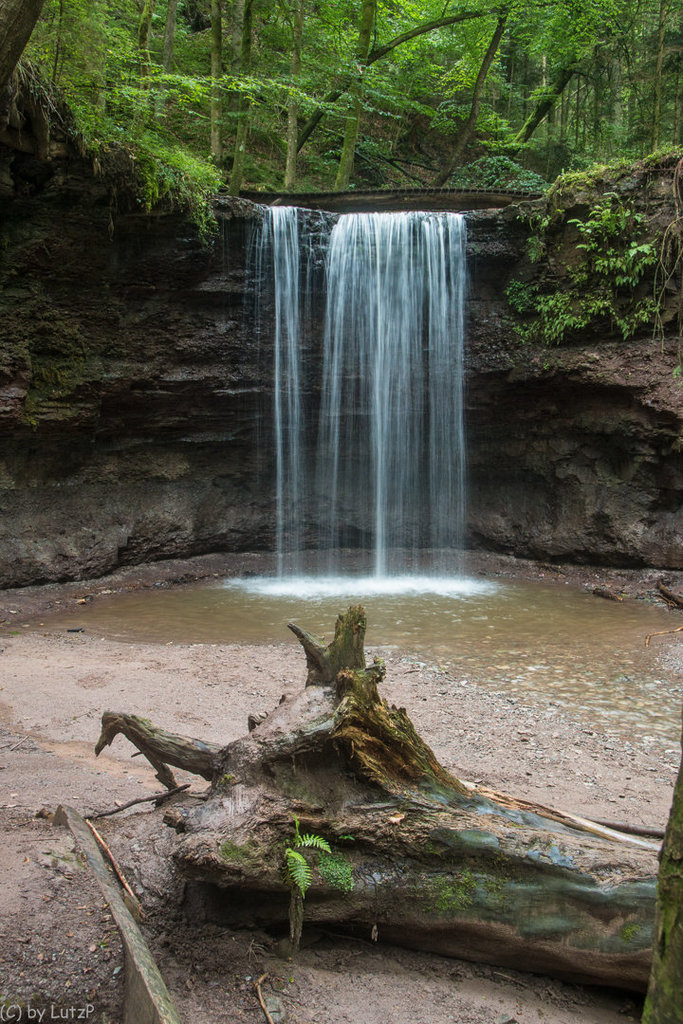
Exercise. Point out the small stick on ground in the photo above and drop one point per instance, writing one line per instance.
(117, 870)
(662, 632)
(157, 798)
(631, 830)
(260, 998)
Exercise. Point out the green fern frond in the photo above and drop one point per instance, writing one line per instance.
(308, 839)
(299, 873)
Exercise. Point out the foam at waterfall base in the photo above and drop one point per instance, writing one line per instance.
(361, 587)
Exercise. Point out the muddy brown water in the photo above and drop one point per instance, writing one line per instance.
(528, 640)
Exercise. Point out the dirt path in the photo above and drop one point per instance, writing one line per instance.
(58, 946)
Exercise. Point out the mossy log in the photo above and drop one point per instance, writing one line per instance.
(419, 858)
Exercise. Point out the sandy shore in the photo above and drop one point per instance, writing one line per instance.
(56, 938)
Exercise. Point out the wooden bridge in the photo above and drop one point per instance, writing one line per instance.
(455, 200)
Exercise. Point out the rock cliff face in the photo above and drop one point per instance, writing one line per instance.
(576, 450)
(136, 395)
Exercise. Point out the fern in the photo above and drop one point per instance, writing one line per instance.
(312, 841)
(298, 870)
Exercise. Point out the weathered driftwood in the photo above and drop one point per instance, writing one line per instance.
(161, 748)
(418, 857)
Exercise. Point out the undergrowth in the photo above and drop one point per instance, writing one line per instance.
(613, 257)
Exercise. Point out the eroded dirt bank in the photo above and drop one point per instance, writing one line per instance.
(57, 942)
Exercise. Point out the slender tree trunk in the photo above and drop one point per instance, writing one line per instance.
(169, 34)
(293, 104)
(577, 119)
(367, 20)
(216, 72)
(236, 34)
(244, 109)
(143, 33)
(664, 1003)
(470, 124)
(167, 54)
(657, 105)
(58, 43)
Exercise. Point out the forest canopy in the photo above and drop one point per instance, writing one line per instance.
(299, 95)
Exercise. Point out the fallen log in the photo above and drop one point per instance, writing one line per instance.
(417, 857)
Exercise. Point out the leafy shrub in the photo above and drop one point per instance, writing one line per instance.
(497, 172)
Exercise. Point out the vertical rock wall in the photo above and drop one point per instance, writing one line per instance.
(135, 398)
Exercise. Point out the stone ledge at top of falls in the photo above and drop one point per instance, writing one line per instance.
(453, 200)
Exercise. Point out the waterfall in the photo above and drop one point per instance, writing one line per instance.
(388, 473)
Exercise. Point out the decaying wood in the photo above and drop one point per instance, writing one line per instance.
(672, 600)
(145, 996)
(632, 830)
(161, 748)
(607, 593)
(419, 857)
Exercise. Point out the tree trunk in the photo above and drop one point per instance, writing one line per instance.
(216, 72)
(169, 35)
(470, 124)
(352, 128)
(17, 21)
(244, 105)
(664, 1003)
(417, 855)
(293, 104)
(545, 103)
(144, 27)
(657, 104)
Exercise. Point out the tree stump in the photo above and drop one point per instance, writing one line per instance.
(418, 857)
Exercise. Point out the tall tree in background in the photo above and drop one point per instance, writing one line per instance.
(368, 13)
(169, 35)
(245, 102)
(144, 30)
(216, 73)
(296, 18)
(467, 130)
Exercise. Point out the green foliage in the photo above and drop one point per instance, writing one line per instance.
(497, 172)
(89, 53)
(297, 871)
(622, 96)
(336, 869)
(521, 296)
(451, 896)
(601, 285)
(609, 240)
